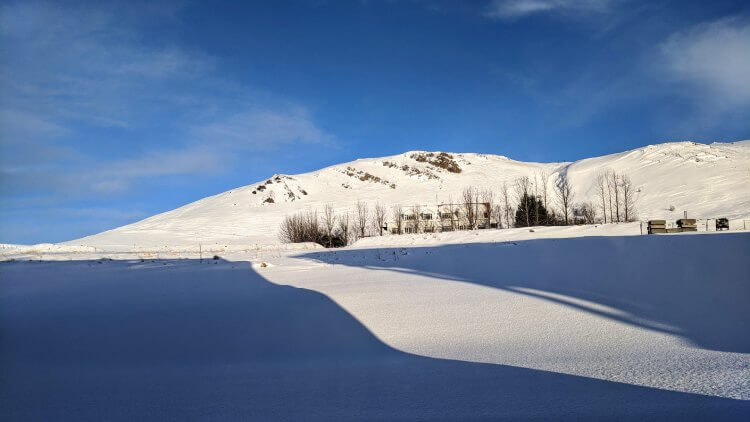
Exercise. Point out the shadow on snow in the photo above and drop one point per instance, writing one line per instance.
(214, 340)
(696, 286)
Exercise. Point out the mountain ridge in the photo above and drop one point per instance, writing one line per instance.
(707, 180)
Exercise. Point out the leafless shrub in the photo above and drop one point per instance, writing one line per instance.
(585, 213)
(300, 227)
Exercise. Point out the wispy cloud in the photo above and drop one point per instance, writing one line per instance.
(514, 9)
(69, 65)
(120, 175)
(711, 61)
(91, 105)
(702, 70)
(263, 129)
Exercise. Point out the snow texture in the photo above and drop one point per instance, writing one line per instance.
(200, 314)
(592, 328)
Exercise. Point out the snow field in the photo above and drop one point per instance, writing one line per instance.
(553, 328)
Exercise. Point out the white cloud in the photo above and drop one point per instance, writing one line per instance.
(263, 129)
(711, 61)
(213, 147)
(209, 149)
(118, 176)
(69, 70)
(15, 125)
(69, 64)
(514, 9)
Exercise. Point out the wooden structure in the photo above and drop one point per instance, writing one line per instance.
(444, 218)
(683, 225)
(455, 216)
(687, 225)
(657, 226)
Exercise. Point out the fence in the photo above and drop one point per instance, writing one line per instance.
(705, 225)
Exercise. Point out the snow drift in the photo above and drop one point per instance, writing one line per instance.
(626, 328)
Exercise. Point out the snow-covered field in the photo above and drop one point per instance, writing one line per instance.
(201, 314)
(498, 324)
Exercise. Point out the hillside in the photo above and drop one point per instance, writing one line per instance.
(706, 180)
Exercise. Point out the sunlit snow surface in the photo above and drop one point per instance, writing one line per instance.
(454, 326)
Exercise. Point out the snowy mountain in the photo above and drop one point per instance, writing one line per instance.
(704, 180)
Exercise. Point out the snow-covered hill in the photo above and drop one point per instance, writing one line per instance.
(704, 180)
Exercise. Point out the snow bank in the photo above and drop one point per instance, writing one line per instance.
(213, 340)
(670, 312)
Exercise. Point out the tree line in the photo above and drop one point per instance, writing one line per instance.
(330, 229)
(526, 202)
(616, 197)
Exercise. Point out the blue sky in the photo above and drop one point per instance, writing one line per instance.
(114, 111)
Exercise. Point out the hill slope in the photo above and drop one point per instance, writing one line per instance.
(706, 180)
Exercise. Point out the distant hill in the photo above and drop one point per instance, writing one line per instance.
(705, 180)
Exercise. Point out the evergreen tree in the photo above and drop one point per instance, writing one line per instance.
(531, 207)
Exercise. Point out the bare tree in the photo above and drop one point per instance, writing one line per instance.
(521, 187)
(601, 193)
(506, 205)
(344, 228)
(616, 189)
(470, 197)
(610, 188)
(497, 214)
(545, 188)
(628, 197)
(535, 187)
(416, 224)
(565, 195)
(454, 216)
(361, 218)
(329, 222)
(398, 218)
(379, 218)
(488, 199)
